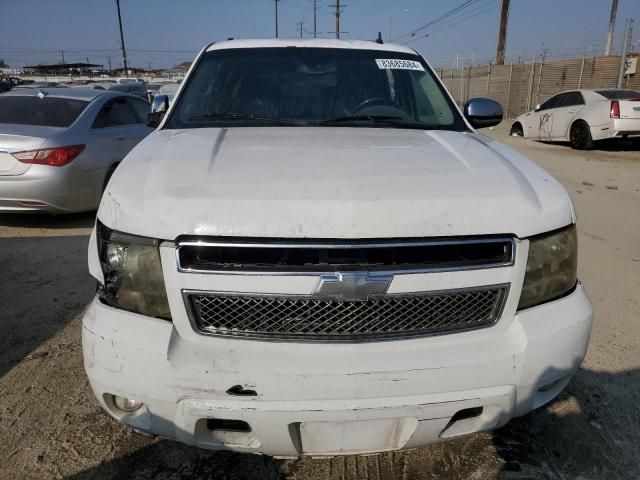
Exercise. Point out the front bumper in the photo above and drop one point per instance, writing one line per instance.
(327, 399)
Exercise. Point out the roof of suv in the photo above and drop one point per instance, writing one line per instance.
(311, 43)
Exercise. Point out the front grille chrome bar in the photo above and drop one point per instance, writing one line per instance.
(302, 257)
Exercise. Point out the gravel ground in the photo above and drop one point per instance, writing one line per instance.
(51, 427)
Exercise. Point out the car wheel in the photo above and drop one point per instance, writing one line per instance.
(516, 130)
(580, 136)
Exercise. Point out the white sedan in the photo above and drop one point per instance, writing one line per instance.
(582, 117)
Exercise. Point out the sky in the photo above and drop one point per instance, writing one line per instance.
(163, 33)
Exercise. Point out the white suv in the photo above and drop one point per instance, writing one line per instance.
(316, 254)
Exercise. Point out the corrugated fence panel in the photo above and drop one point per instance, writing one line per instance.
(519, 87)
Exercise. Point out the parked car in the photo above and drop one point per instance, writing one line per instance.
(582, 117)
(5, 84)
(164, 96)
(127, 80)
(316, 253)
(38, 85)
(137, 89)
(58, 147)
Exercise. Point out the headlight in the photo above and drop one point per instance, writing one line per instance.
(551, 267)
(132, 271)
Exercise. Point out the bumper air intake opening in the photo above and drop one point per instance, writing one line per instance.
(224, 425)
(471, 420)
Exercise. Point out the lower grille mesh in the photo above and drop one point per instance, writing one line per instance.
(312, 318)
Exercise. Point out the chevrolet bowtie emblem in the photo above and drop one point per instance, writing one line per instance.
(352, 285)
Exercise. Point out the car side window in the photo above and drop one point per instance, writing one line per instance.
(553, 102)
(140, 108)
(114, 114)
(572, 98)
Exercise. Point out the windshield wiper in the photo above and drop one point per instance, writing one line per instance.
(391, 120)
(238, 116)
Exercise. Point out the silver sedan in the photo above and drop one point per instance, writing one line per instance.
(59, 147)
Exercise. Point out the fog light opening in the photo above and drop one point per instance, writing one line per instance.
(127, 405)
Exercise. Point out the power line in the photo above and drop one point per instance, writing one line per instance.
(457, 20)
(439, 19)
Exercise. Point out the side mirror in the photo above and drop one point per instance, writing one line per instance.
(483, 112)
(154, 118)
(159, 107)
(537, 109)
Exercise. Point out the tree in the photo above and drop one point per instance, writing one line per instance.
(3, 64)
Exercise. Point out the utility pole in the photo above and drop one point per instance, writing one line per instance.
(612, 26)
(62, 55)
(300, 27)
(276, 2)
(502, 34)
(109, 60)
(626, 40)
(337, 5)
(124, 51)
(315, 18)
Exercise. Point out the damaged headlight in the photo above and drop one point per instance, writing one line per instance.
(551, 267)
(132, 272)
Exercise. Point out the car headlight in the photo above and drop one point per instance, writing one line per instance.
(132, 272)
(551, 267)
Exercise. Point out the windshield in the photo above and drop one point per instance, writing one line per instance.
(313, 86)
(45, 112)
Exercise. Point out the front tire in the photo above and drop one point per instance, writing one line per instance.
(516, 130)
(580, 136)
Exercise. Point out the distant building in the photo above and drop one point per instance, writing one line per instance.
(184, 66)
(59, 69)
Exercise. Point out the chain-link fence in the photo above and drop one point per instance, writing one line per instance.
(520, 87)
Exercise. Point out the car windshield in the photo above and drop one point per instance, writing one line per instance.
(45, 112)
(619, 94)
(314, 87)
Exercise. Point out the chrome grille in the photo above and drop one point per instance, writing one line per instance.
(312, 318)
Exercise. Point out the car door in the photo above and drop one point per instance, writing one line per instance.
(546, 113)
(537, 122)
(118, 121)
(563, 116)
(139, 130)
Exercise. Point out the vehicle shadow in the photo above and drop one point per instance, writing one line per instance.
(43, 220)
(619, 145)
(44, 285)
(589, 432)
(170, 460)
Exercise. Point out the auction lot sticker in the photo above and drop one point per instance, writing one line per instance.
(390, 63)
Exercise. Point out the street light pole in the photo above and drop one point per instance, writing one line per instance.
(390, 17)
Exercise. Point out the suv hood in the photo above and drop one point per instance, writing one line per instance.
(330, 182)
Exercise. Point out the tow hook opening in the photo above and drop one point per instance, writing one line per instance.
(221, 424)
(240, 391)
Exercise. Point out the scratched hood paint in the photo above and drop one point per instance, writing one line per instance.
(325, 182)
